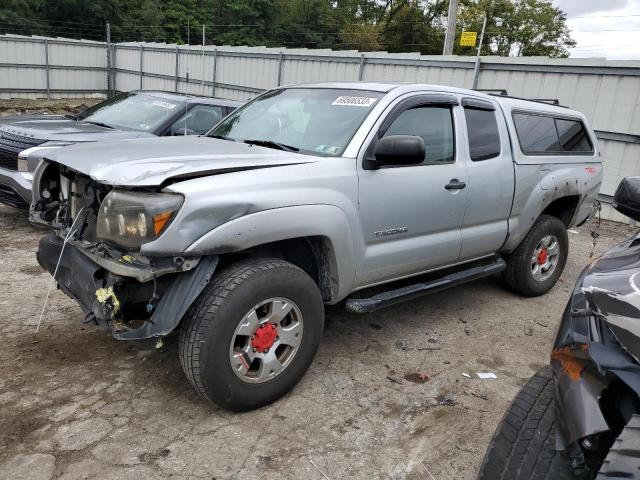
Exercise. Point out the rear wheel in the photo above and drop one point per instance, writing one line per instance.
(252, 333)
(536, 265)
(523, 446)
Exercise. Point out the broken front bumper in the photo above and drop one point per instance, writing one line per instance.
(114, 296)
(587, 358)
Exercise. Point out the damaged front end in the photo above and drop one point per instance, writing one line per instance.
(94, 256)
(595, 355)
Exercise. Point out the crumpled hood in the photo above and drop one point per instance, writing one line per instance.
(153, 162)
(61, 129)
(611, 286)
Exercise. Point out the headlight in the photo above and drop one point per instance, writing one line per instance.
(130, 219)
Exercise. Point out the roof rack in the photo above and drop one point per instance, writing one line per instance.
(502, 92)
(493, 91)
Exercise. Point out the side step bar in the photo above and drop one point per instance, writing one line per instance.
(391, 297)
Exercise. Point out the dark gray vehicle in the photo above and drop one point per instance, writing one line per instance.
(25, 139)
(579, 418)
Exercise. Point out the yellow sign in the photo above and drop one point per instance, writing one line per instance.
(468, 39)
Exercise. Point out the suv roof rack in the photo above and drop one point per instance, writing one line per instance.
(502, 92)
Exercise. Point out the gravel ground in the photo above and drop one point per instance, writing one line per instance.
(59, 106)
(384, 398)
(75, 403)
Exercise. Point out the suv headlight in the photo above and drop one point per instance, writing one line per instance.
(130, 219)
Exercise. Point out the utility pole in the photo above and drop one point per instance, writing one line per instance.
(109, 60)
(476, 68)
(450, 36)
(203, 42)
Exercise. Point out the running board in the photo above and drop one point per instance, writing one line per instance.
(391, 297)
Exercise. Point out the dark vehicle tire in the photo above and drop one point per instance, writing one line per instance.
(623, 459)
(523, 446)
(252, 333)
(536, 265)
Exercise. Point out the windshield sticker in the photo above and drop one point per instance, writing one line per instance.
(354, 101)
(167, 105)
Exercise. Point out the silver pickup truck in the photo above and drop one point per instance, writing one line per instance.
(362, 193)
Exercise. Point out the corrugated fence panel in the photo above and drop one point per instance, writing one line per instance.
(607, 92)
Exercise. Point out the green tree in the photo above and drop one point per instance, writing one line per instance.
(517, 28)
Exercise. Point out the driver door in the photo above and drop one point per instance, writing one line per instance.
(411, 216)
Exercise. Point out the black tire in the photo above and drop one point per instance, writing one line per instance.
(208, 328)
(518, 275)
(523, 446)
(623, 459)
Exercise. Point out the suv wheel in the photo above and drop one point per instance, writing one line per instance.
(252, 333)
(536, 265)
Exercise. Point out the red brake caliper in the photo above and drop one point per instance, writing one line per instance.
(264, 338)
(542, 256)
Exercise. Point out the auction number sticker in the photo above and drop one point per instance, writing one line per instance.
(167, 105)
(354, 101)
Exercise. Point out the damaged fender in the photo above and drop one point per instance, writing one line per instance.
(174, 303)
(93, 287)
(598, 341)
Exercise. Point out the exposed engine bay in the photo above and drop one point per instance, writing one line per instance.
(132, 295)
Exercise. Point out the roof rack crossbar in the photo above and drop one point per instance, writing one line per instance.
(546, 101)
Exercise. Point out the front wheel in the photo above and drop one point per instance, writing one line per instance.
(536, 265)
(523, 447)
(252, 333)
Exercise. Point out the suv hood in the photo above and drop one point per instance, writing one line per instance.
(611, 286)
(157, 161)
(58, 128)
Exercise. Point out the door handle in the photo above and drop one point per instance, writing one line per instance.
(455, 184)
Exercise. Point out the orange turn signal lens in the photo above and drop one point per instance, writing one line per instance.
(160, 221)
(568, 360)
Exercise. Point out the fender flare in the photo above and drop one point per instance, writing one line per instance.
(268, 226)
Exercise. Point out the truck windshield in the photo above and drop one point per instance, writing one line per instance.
(132, 111)
(317, 121)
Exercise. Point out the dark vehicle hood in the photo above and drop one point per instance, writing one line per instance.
(59, 128)
(158, 161)
(611, 285)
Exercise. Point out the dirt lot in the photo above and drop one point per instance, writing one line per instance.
(76, 404)
(60, 106)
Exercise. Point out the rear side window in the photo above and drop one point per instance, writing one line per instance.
(537, 133)
(545, 135)
(573, 137)
(482, 129)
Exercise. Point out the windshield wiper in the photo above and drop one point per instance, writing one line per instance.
(99, 124)
(72, 117)
(272, 144)
(221, 137)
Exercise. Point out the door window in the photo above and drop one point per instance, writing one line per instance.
(197, 121)
(482, 130)
(434, 125)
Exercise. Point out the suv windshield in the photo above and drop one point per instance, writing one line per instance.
(134, 111)
(318, 121)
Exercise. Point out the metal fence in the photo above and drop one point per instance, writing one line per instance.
(608, 92)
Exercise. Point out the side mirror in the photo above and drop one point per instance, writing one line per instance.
(626, 200)
(399, 150)
(183, 131)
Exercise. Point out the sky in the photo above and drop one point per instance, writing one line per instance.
(604, 28)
